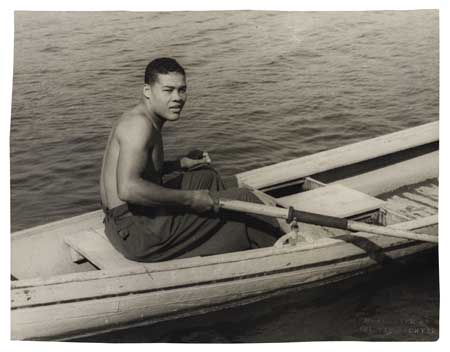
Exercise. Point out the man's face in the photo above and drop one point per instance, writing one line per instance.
(168, 95)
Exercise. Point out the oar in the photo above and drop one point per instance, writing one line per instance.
(319, 219)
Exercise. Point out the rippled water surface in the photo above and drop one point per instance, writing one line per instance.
(263, 87)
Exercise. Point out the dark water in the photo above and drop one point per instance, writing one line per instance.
(263, 87)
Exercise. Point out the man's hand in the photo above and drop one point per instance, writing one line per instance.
(201, 201)
(188, 163)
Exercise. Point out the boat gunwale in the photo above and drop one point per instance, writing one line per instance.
(423, 134)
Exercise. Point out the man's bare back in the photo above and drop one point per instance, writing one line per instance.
(150, 138)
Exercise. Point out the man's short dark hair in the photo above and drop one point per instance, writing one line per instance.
(162, 65)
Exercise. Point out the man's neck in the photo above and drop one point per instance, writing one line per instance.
(156, 121)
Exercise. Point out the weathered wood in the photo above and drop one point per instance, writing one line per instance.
(408, 207)
(386, 231)
(30, 248)
(192, 311)
(148, 276)
(311, 184)
(98, 250)
(76, 257)
(421, 199)
(44, 255)
(430, 191)
(418, 223)
(121, 310)
(115, 311)
(332, 200)
(131, 283)
(271, 252)
(392, 177)
(75, 317)
(342, 156)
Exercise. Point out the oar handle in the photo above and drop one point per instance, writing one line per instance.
(282, 213)
(254, 208)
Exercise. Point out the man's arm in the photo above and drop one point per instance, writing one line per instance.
(170, 166)
(133, 137)
(194, 159)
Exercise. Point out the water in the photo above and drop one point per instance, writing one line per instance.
(263, 87)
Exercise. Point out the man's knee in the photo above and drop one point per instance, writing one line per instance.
(205, 178)
(243, 194)
(205, 173)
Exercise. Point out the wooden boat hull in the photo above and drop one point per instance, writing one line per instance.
(82, 301)
(131, 300)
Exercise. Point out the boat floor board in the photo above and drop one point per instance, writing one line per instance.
(409, 208)
(333, 200)
(430, 190)
(421, 199)
(414, 201)
(98, 250)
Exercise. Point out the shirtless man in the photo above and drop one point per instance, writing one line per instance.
(148, 220)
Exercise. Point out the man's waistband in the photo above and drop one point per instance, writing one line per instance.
(121, 210)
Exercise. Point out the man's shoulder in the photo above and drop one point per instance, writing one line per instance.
(133, 118)
(133, 123)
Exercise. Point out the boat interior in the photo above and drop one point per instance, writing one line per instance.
(92, 246)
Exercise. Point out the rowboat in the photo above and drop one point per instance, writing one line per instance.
(68, 281)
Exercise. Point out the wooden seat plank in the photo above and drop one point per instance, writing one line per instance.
(98, 250)
(332, 200)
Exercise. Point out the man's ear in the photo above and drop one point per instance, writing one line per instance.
(147, 91)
